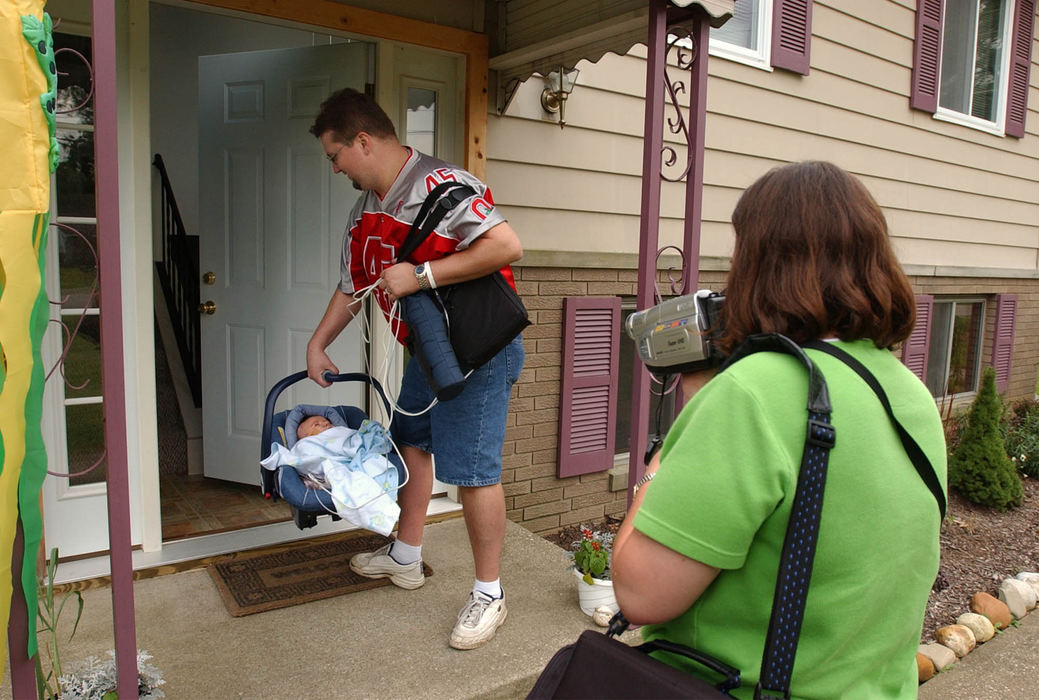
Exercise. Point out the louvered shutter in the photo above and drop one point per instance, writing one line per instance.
(792, 35)
(588, 405)
(918, 344)
(1003, 342)
(1020, 62)
(926, 55)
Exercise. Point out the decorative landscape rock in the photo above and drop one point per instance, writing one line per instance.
(1031, 578)
(924, 668)
(1026, 591)
(995, 610)
(1010, 594)
(980, 625)
(959, 638)
(940, 655)
(601, 615)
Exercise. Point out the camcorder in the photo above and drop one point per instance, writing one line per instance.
(678, 335)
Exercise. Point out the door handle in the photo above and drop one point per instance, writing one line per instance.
(208, 308)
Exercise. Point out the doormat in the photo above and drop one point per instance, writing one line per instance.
(305, 572)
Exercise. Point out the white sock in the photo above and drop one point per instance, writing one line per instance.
(489, 588)
(404, 553)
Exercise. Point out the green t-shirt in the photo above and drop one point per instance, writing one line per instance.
(722, 496)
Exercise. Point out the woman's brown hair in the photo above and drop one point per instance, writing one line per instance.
(812, 260)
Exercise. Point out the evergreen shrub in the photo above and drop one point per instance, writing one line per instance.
(979, 467)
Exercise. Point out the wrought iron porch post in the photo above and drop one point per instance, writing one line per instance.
(106, 167)
(649, 225)
(653, 160)
(696, 135)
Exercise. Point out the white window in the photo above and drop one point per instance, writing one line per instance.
(953, 361)
(975, 62)
(72, 269)
(746, 37)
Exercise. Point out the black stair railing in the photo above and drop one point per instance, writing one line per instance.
(178, 276)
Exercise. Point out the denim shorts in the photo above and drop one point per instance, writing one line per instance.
(465, 434)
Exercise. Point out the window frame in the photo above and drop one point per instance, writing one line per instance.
(94, 482)
(760, 58)
(998, 126)
(979, 341)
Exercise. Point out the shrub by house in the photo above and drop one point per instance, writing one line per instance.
(979, 467)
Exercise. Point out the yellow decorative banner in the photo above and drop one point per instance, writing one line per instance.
(28, 76)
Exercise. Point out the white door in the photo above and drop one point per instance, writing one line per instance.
(271, 221)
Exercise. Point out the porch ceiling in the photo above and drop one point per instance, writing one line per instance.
(538, 36)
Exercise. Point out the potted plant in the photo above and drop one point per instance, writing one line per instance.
(591, 555)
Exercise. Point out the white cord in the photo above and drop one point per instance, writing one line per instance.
(395, 322)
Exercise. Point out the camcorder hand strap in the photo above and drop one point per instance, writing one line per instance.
(916, 454)
(440, 200)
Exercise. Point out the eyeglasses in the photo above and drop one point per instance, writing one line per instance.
(332, 158)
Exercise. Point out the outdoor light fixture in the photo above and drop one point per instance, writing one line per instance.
(559, 85)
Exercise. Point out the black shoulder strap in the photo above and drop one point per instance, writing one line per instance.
(440, 200)
(916, 454)
(802, 532)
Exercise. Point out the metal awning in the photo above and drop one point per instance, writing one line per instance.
(538, 36)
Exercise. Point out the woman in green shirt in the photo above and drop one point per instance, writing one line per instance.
(695, 561)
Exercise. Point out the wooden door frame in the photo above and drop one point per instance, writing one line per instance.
(373, 24)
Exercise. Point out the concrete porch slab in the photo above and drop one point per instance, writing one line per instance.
(382, 643)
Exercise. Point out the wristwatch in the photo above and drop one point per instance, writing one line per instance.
(646, 478)
(422, 277)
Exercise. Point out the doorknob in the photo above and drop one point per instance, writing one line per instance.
(209, 278)
(208, 308)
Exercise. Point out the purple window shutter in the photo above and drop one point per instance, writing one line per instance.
(917, 345)
(1020, 62)
(792, 35)
(1003, 343)
(588, 405)
(926, 55)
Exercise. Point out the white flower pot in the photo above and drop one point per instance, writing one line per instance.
(590, 597)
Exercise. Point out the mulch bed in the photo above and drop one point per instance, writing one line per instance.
(980, 547)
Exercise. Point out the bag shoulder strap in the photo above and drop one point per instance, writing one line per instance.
(440, 200)
(912, 448)
(802, 532)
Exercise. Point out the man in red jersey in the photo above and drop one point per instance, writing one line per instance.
(466, 433)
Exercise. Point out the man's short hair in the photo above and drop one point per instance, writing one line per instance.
(348, 112)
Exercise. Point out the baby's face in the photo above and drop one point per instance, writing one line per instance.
(312, 426)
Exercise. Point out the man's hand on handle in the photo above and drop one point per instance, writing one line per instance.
(318, 363)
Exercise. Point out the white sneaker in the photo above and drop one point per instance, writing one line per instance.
(478, 621)
(379, 564)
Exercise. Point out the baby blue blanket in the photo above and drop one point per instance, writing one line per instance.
(352, 466)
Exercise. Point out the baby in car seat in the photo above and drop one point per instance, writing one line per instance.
(312, 425)
(309, 426)
(349, 464)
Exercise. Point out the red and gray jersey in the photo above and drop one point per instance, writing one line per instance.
(378, 227)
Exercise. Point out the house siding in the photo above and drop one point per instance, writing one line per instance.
(950, 193)
(962, 204)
